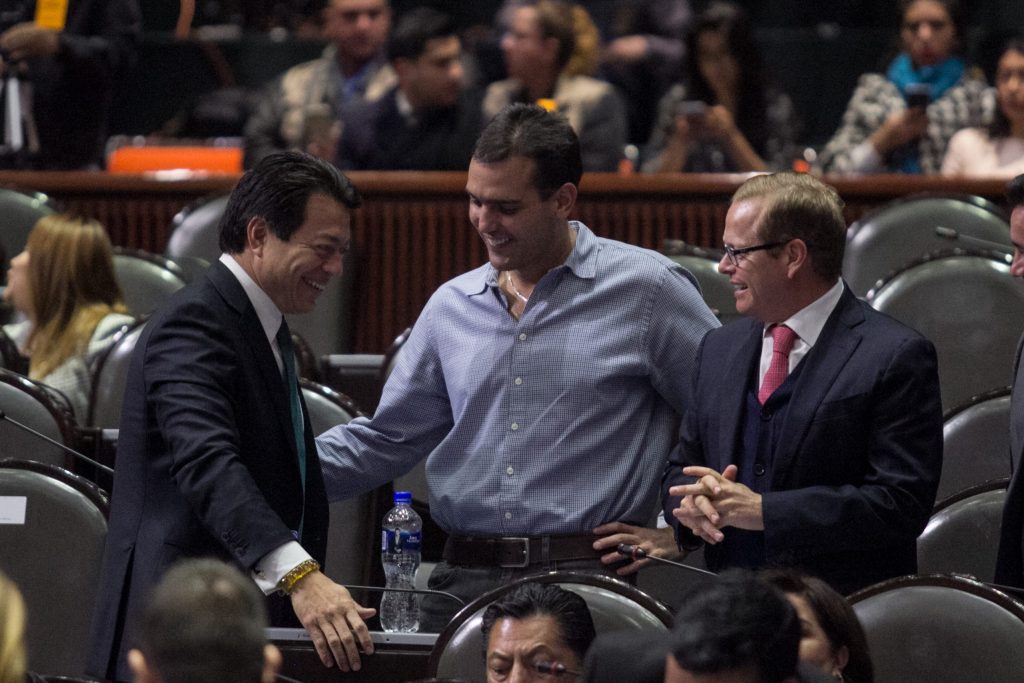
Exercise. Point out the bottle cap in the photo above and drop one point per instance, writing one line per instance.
(403, 497)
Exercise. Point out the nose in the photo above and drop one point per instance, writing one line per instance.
(725, 265)
(520, 674)
(335, 264)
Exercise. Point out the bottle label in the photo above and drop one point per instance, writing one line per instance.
(392, 541)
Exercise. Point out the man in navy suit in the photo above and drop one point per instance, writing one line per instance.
(813, 438)
(1010, 562)
(216, 455)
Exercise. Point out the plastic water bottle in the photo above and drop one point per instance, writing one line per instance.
(400, 555)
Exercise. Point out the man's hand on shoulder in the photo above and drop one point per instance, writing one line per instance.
(333, 620)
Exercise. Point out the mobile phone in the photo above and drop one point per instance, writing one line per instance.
(692, 109)
(918, 95)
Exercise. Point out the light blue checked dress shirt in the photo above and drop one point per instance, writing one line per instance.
(552, 424)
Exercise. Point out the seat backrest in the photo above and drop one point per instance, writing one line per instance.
(969, 307)
(963, 533)
(718, 294)
(976, 442)
(904, 230)
(353, 540)
(10, 356)
(614, 605)
(18, 215)
(146, 280)
(53, 554)
(110, 377)
(941, 628)
(327, 328)
(40, 408)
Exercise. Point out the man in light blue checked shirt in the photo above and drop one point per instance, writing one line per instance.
(541, 387)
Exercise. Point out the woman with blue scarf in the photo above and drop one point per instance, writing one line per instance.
(901, 122)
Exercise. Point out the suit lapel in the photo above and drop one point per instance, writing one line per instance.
(740, 360)
(1017, 411)
(822, 365)
(259, 346)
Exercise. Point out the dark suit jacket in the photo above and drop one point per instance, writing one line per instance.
(206, 459)
(855, 473)
(1010, 561)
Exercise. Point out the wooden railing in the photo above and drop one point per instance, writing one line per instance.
(413, 232)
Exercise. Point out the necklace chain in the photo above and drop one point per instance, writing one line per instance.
(516, 292)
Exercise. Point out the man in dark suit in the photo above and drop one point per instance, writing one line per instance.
(1010, 561)
(216, 455)
(813, 438)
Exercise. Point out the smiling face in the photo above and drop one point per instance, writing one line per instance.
(294, 273)
(522, 231)
(516, 646)
(928, 33)
(760, 278)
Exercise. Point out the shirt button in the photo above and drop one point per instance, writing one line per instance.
(759, 469)
(522, 337)
(515, 426)
(508, 515)
(519, 380)
(510, 471)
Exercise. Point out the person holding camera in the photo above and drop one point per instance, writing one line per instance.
(901, 121)
(722, 118)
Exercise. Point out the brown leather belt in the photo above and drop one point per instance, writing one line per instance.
(518, 551)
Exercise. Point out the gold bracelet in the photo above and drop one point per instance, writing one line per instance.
(287, 583)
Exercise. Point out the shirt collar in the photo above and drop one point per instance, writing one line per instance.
(268, 313)
(810, 320)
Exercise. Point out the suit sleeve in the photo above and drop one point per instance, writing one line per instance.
(192, 372)
(893, 500)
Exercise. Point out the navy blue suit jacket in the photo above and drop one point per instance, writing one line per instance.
(206, 459)
(855, 472)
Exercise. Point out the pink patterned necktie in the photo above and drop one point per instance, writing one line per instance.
(783, 339)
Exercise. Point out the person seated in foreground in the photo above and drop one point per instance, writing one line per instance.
(205, 623)
(64, 285)
(534, 631)
(832, 638)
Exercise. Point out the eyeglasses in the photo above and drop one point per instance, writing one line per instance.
(736, 254)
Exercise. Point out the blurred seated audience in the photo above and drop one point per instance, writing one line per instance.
(205, 623)
(64, 285)
(901, 122)
(831, 637)
(67, 68)
(538, 45)
(997, 150)
(644, 55)
(429, 121)
(305, 108)
(537, 632)
(724, 117)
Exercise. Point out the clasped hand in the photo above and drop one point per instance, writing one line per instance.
(715, 501)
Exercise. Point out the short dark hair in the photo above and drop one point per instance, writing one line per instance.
(277, 190)
(415, 29)
(569, 610)
(205, 624)
(799, 206)
(1015, 192)
(526, 130)
(835, 616)
(735, 622)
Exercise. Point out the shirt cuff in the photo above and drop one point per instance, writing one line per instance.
(272, 567)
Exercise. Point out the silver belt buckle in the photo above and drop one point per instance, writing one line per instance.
(525, 561)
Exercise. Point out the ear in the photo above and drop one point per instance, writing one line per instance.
(256, 233)
(140, 669)
(271, 663)
(565, 199)
(842, 657)
(796, 257)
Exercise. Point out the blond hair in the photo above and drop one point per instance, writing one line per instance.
(12, 633)
(586, 54)
(72, 288)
